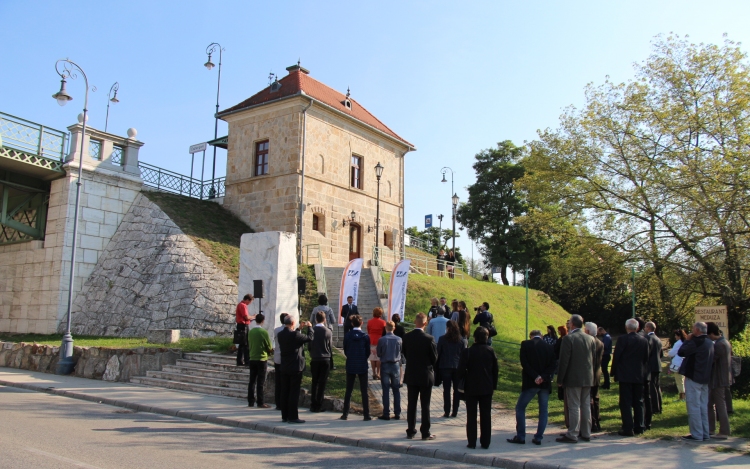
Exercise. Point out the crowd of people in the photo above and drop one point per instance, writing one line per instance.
(575, 357)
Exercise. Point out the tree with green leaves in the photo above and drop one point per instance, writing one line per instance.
(658, 168)
(492, 205)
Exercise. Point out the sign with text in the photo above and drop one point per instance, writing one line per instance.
(428, 221)
(197, 148)
(397, 289)
(717, 314)
(349, 284)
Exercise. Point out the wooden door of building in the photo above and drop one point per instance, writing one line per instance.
(355, 241)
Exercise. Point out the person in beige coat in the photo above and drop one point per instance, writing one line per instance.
(721, 379)
(576, 374)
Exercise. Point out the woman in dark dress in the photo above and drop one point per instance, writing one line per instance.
(464, 322)
(551, 336)
(478, 367)
(449, 349)
(441, 263)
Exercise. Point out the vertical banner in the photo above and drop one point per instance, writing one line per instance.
(397, 290)
(349, 284)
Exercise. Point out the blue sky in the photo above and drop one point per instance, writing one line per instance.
(451, 77)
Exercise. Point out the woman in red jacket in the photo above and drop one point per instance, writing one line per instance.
(375, 329)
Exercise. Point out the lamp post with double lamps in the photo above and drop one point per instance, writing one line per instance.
(378, 173)
(111, 99)
(210, 50)
(67, 69)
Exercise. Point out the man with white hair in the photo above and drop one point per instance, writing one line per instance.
(630, 368)
(591, 329)
(698, 354)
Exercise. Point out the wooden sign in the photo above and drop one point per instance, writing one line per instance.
(717, 314)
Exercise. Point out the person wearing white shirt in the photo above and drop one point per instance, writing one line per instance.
(674, 368)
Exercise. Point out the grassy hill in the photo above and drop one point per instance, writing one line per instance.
(507, 304)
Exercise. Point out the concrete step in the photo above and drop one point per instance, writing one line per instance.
(212, 358)
(197, 388)
(207, 373)
(201, 380)
(212, 366)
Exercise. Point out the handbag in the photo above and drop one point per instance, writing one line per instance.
(491, 327)
(240, 337)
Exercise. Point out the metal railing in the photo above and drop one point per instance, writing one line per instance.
(33, 138)
(319, 258)
(429, 265)
(176, 183)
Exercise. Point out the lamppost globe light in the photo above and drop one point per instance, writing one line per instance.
(444, 180)
(62, 96)
(209, 65)
(455, 199)
(114, 99)
(378, 170)
(61, 100)
(353, 215)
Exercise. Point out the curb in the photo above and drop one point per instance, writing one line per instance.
(294, 432)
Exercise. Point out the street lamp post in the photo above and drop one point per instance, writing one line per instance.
(65, 365)
(453, 249)
(378, 174)
(210, 50)
(111, 99)
(455, 202)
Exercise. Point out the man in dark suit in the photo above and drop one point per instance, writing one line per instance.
(347, 311)
(630, 368)
(652, 387)
(292, 343)
(421, 356)
(538, 363)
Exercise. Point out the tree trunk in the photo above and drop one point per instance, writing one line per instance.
(504, 274)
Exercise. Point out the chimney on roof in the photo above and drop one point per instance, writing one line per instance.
(296, 67)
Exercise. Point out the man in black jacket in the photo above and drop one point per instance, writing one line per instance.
(292, 343)
(421, 356)
(698, 354)
(320, 357)
(630, 369)
(538, 363)
(347, 311)
(652, 389)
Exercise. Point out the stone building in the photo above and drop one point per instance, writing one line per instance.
(300, 147)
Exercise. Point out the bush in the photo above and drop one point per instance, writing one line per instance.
(741, 348)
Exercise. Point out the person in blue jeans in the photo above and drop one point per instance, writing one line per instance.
(389, 352)
(538, 363)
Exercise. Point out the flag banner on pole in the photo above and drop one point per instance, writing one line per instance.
(349, 284)
(397, 289)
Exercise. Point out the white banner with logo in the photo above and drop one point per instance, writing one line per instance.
(349, 284)
(397, 290)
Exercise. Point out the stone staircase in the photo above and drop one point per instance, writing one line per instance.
(367, 298)
(204, 373)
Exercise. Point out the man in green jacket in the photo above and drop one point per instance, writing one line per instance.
(576, 373)
(259, 344)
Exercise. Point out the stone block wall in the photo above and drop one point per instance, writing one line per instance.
(91, 362)
(153, 276)
(34, 276)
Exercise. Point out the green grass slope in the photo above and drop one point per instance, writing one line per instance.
(507, 304)
(215, 230)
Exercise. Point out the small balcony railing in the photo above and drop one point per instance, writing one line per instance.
(30, 137)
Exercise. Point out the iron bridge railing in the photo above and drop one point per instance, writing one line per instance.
(30, 137)
(176, 183)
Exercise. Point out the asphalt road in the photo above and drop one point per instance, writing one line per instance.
(43, 431)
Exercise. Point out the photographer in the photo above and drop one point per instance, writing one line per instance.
(483, 318)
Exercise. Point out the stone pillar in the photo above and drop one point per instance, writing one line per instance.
(130, 158)
(270, 256)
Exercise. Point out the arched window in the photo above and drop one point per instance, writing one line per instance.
(319, 223)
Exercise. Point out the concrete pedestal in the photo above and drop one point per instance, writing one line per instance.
(270, 256)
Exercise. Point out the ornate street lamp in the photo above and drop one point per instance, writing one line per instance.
(63, 68)
(113, 100)
(455, 204)
(210, 50)
(378, 173)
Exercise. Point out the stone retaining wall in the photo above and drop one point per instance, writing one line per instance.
(91, 362)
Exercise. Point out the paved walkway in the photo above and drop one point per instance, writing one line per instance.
(604, 451)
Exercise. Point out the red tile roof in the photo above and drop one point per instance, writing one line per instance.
(298, 81)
